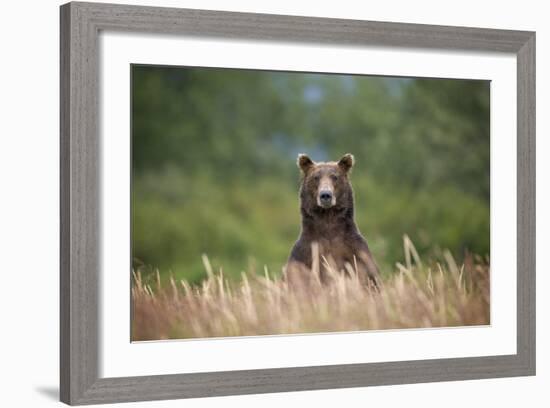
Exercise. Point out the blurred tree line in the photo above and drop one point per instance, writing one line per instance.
(214, 150)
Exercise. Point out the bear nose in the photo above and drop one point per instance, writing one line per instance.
(325, 195)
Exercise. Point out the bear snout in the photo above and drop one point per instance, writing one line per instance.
(326, 199)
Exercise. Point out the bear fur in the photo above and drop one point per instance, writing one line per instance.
(328, 225)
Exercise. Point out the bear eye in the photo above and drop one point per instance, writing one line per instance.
(334, 177)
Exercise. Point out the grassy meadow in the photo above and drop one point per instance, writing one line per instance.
(417, 295)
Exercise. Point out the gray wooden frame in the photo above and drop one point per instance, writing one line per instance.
(80, 158)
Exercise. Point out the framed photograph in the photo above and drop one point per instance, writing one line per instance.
(261, 203)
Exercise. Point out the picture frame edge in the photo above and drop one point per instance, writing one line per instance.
(526, 203)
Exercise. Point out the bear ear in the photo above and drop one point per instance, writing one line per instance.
(304, 162)
(346, 162)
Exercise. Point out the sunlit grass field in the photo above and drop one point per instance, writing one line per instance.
(418, 294)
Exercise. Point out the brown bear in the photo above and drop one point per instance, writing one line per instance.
(328, 226)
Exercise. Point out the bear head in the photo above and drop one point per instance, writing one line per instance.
(325, 186)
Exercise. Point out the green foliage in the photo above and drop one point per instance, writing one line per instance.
(214, 169)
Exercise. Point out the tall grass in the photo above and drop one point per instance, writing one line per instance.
(418, 294)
